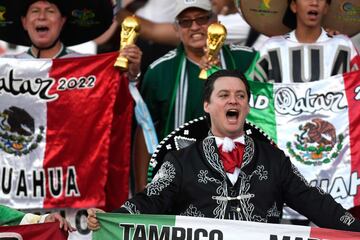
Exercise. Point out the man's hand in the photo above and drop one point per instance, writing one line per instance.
(92, 222)
(206, 64)
(133, 55)
(64, 224)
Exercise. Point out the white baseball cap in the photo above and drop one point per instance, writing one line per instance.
(182, 5)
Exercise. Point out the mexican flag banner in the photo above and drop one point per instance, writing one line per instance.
(33, 232)
(316, 124)
(118, 226)
(57, 120)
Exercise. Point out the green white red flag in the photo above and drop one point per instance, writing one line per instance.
(57, 120)
(316, 124)
(118, 226)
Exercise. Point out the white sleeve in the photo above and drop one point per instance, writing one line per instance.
(30, 218)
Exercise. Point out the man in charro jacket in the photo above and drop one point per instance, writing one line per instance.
(229, 175)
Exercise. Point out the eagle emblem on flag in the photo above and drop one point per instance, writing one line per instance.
(316, 143)
(18, 135)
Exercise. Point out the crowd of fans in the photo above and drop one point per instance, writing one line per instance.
(169, 54)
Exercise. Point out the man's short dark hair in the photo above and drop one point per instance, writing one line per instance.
(289, 18)
(209, 84)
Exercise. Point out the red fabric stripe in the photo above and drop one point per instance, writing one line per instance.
(329, 234)
(34, 232)
(352, 86)
(78, 129)
(117, 187)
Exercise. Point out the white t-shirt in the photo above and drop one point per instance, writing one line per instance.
(356, 41)
(88, 48)
(284, 59)
(160, 11)
(64, 53)
(238, 30)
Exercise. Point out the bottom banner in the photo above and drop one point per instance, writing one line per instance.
(117, 226)
(33, 232)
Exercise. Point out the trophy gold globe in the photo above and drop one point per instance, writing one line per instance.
(130, 28)
(216, 35)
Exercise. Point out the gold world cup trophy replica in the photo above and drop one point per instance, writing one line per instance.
(130, 28)
(216, 35)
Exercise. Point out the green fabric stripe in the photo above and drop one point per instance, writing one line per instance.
(252, 68)
(262, 112)
(212, 70)
(9, 216)
(110, 228)
(173, 97)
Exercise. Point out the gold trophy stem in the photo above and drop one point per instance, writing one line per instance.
(121, 62)
(203, 74)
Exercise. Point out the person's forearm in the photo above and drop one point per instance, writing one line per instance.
(163, 33)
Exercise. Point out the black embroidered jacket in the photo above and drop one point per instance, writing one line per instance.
(192, 182)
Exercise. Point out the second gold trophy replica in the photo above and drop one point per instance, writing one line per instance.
(130, 28)
(216, 35)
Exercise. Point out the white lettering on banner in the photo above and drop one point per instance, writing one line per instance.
(55, 183)
(76, 83)
(71, 189)
(340, 187)
(10, 236)
(287, 102)
(259, 102)
(40, 87)
(139, 231)
(36, 87)
(354, 183)
(32, 184)
(357, 92)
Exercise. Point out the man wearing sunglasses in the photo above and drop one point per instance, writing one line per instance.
(171, 87)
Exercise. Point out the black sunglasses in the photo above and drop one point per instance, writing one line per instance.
(187, 22)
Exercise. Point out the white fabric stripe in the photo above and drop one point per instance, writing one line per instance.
(334, 176)
(184, 101)
(27, 70)
(232, 229)
(179, 103)
(222, 60)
